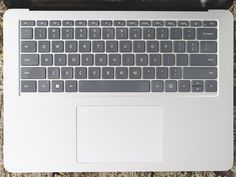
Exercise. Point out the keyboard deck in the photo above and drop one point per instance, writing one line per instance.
(118, 56)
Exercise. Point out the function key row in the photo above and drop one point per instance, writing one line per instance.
(210, 23)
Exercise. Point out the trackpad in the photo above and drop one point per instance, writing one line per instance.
(119, 134)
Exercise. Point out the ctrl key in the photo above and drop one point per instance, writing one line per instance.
(28, 86)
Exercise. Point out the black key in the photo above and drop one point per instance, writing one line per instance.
(208, 46)
(168, 59)
(175, 73)
(211, 86)
(81, 33)
(114, 86)
(139, 46)
(40, 33)
(71, 86)
(100, 59)
(203, 60)
(184, 86)
(155, 59)
(80, 23)
(157, 23)
(26, 33)
(121, 33)
(44, 86)
(141, 59)
(67, 33)
(135, 33)
(55, 23)
(68, 23)
(28, 46)
(94, 33)
(210, 23)
(145, 23)
(27, 23)
(111, 46)
(119, 23)
(161, 72)
(162, 33)
(171, 86)
(108, 73)
(128, 59)
(121, 73)
(197, 86)
(148, 33)
(29, 59)
(57, 46)
(206, 33)
(114, 59)
(84, 46)
(193, 46)
(42, 23)
(57, 86)
(166, 46)
(73, 59)
(93, 23)
(125, 46)
(179, 46)
(28, 86)
(135, 73)
(67, 73)
(132, 23)
(189, 33)
(182, 59)
(94, 73)
(46, 59)
(59, 59)
(87, 59)
(183, 23)
(199, 72)
(71, 46)
(43, 46)
(170, 23)
(108, 33)
(148, 73)
(157, 86)
(98, 46)
(106, 23)
(80, 72)
(53, 33)
(33, 73)
(175, 33)
(152, 46)
(196, 23)
(53, 73)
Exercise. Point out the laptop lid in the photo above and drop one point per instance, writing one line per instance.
(119, 4)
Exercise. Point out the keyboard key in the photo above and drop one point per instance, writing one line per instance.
(148, 73)
(106, 23)
(193, 46)
(175, 73)
(132, 23)
(155, 59)
(98, 46)
(166, 46)
(46, 59)
(184, 86)
(94, 73)
(93, 23)
(108, 33)
(161, 72)
(43, 86)
(27, 23)
(211, 86)
(73, 59)
(71, 46)
(108, 73)
(170, 23)
(179, 46)
(141, 59)
(189, 33)
(111, 46)
(175, 33)
(40, 33)
(53, 33)
(94, 33)
(57, 46)
(28, 46)
(57, 86)
(119, 23)
(148, 33)
(87, 60)
(84, 46)
(33, 73)
(196, 23)
(157, 23)
(80, 33)
(68, 23)
(121, 73)
(80, 73)
(100, 59)
(26, 33)
(203, 60)
(135, 33)
(55, 23)
(145, 23)
(162, 33)
(183, 23)
(67, 73)
(135, 73)
(208, 46)
(139, 46)
(171, 86)
(121, 33)
(114, 86)
(210, 23)
(125, 46)
(80, 23)
(152, 46)
(28, 86)
(29, 59)
(182, 59)
(197, 86)
(157, 86)
(200, 73)
(43, 46)
(114, 59)
(71, 86)
(59, 59)
(42, 23)
(168, 59)
(206, 33)
(53, 73)
(67, 33)
(128, 59)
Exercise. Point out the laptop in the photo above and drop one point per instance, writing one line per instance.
(104, 85)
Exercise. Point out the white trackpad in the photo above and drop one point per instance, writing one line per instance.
(119, 134)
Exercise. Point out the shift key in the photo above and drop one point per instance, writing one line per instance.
(200, 72)
(33, 73)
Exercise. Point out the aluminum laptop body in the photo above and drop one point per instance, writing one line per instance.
(105, 125)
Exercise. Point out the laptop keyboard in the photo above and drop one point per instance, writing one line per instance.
(118, 56)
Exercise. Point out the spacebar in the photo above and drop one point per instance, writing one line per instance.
(114, 86)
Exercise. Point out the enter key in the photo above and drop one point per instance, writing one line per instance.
(203, 60)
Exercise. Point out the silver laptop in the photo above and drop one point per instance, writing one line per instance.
(106, 85)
